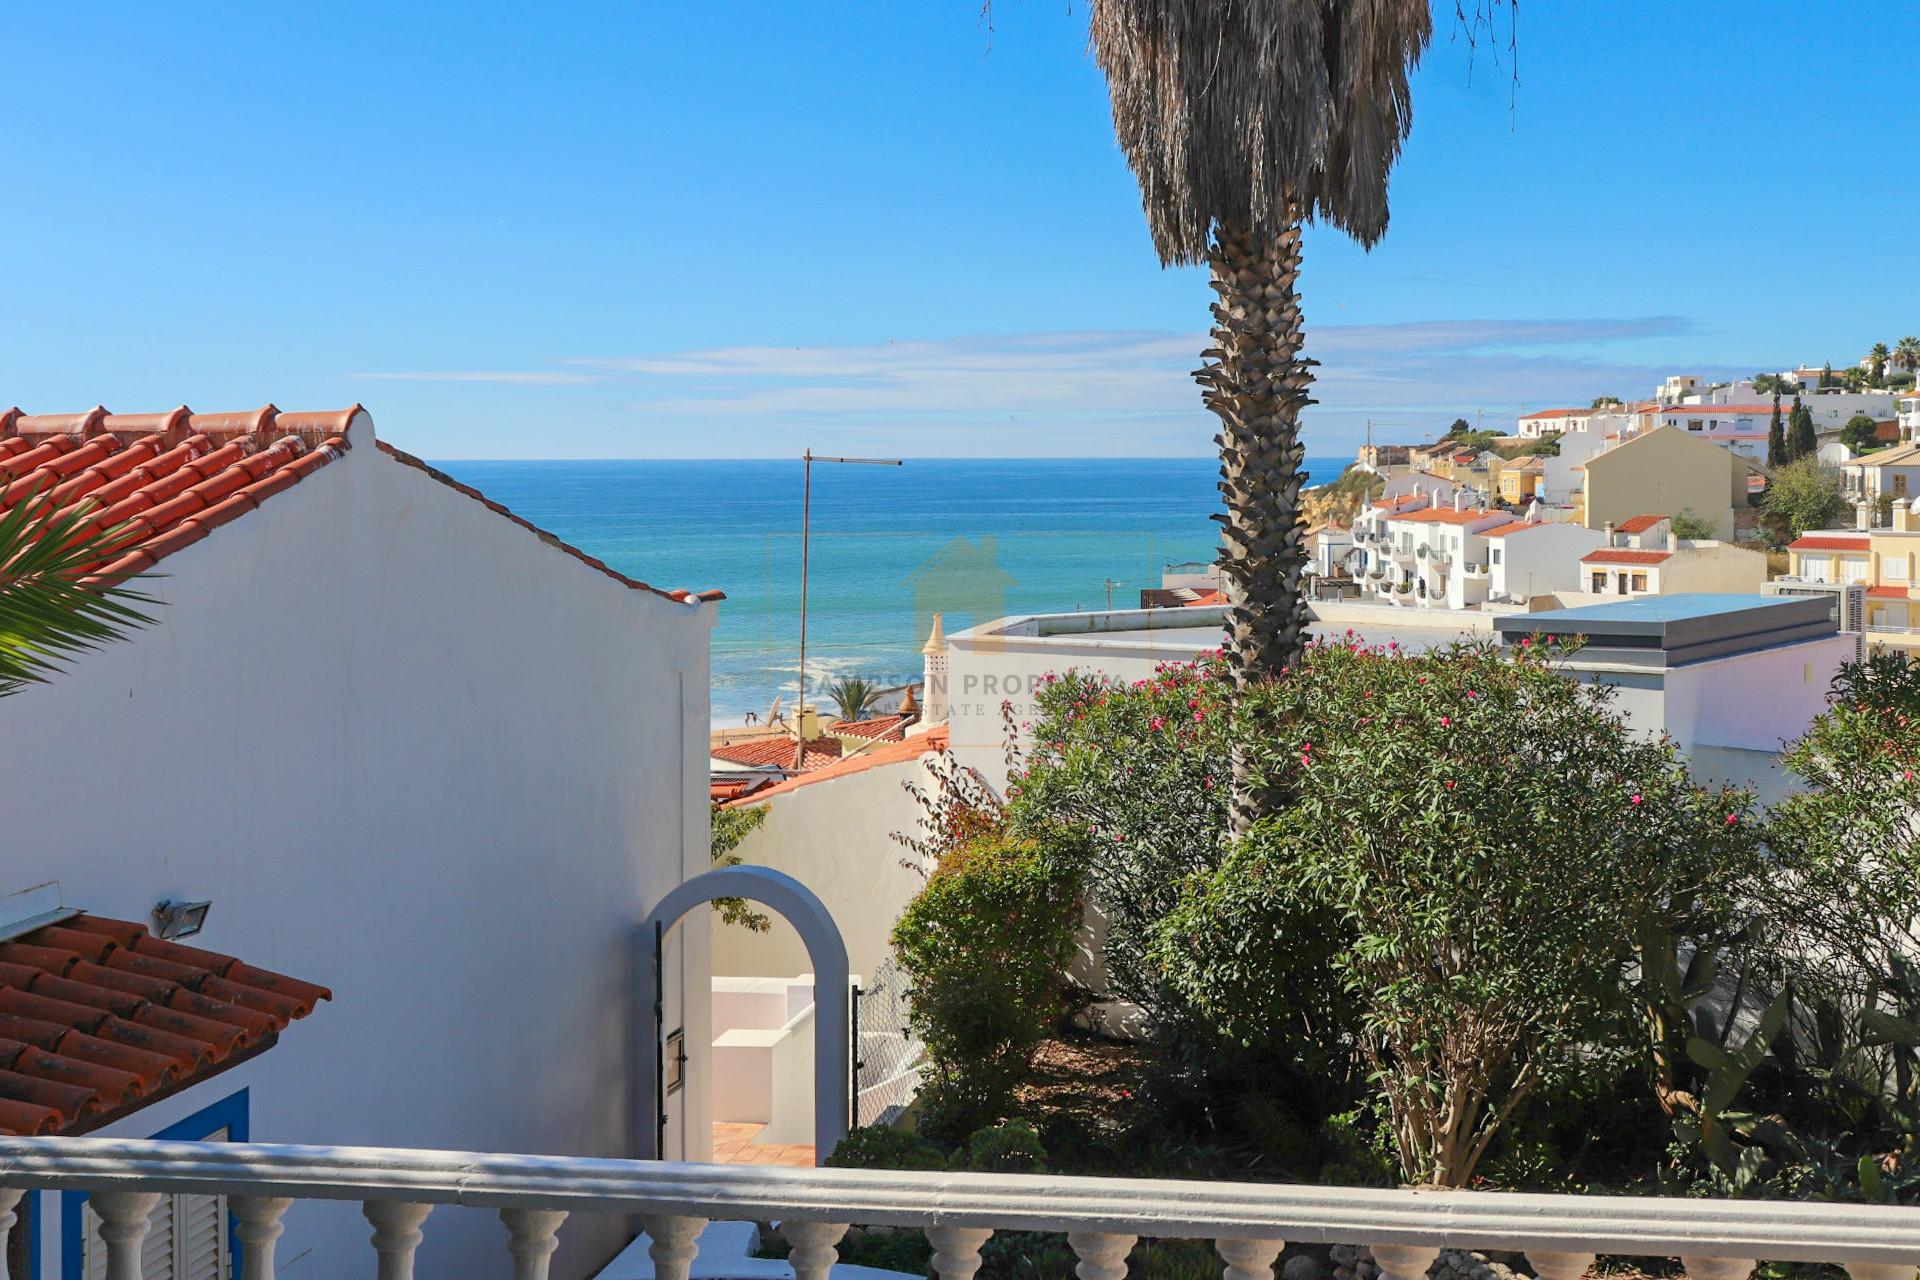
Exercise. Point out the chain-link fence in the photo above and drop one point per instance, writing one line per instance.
(886, 1057)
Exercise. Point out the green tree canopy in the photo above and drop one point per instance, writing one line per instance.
(1805, 494)
(1860, 433)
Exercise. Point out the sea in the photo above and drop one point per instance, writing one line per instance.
(973, 539)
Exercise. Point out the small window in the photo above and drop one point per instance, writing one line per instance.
(1496, 556)
(1599, 582)
(1639, 582)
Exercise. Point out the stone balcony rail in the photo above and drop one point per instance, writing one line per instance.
(1248, 1223)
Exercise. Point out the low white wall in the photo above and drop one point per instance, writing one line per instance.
(836, 837)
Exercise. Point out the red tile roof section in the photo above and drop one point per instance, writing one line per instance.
(913, 748)
(1888, 593)
(878, 728)
(551, 539)
(1619, 555)
(1559, 413)
(98, 1017)
(777, 751)
(1835, 542)
(1637, 524)
(168, 478)
(1517, 526)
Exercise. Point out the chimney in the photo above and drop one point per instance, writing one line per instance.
(1606, 531)
(933, 657)
(1459, 499)
(1863, 515)
(808, 722)
(1533, 511)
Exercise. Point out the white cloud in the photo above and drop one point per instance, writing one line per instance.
(1121, 391)
(514, 377)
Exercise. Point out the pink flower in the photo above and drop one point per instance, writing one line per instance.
(1198, 716)
(1423, 679)
(1305, 761)
(1446, 722)
(1471, 694)
(1732, 818)
(1636, 798)
(1156, 724)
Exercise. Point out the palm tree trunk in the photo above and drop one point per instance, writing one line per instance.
(1257, 385)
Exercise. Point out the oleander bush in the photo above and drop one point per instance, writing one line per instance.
(985, 946)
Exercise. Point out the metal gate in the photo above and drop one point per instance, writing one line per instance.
(886, 1056)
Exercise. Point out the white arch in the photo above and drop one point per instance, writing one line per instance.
(809, 916)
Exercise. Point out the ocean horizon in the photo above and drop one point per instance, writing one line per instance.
(971, 538)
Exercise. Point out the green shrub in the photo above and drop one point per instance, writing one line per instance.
(876, 1146)
(1012, 1146)
(985, 946)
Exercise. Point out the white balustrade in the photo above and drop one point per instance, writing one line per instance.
(123, 1226)
(672, 1246)
(257, 1227)
(396, 1234)
(1102, 1218)
(815, 1247)
(532, 1236)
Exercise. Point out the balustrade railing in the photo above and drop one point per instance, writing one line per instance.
(1249, 1224)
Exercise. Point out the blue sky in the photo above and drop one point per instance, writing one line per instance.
(643, 230)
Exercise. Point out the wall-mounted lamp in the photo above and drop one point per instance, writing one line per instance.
(180, 919)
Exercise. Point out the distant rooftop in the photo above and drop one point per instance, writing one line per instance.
(1672, 630)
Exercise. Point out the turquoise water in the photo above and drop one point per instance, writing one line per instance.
(975, 539)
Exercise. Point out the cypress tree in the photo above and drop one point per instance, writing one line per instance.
(1776, 436)
(1804, 443)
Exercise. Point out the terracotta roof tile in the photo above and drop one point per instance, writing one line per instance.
(777, 751)
(1514, 526)
(1624, 555)
(1888, 593)
(879, 728)
(98, 1017)
(1637, 524)
(1811, 542)
(167, 478)
(913, 748)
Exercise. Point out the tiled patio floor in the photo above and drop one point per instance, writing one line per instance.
(734, 1144)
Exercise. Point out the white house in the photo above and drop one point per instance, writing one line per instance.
(1544, 422)
(1528, 558)
(1434, 556)
(408, 747)
(1908, 406)
(1740, 427)
(1892, 473)
(1640, 556)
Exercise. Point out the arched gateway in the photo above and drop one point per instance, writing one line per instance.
(777, 891)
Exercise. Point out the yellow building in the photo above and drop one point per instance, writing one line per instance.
(1520, 479)
(1664, 472)
(1885, 561)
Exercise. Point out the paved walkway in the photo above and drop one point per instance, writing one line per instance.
(734, 1144)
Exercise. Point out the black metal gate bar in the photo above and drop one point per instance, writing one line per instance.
(853, 1057)
(659, 1041)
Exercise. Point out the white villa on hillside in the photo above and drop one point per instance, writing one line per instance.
(390, 739)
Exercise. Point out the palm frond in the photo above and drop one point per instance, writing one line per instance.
(853, 697)
(52, 608)
(1257, 113)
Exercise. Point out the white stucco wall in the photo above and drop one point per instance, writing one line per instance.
(836, 837)
(412, 752)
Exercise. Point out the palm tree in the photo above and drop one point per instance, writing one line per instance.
(51, 609)
(1908, 349)
(853, 697)
(1241, 122)
(1877, 362)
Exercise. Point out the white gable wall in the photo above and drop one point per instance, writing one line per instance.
(412, 752)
